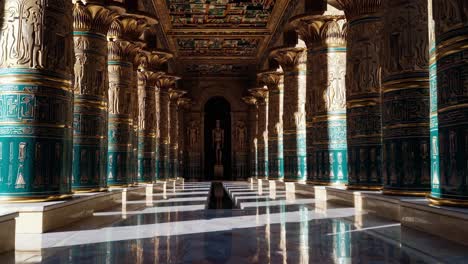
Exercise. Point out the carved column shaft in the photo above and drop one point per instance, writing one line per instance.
(449, 95)
(36, 69)
(146, 125)
(274, 81)
(91, 23)
(405, 97)
(326, 97)
(122, 84)
(165, 83)
(262, 133)
(293, 62)
(252, 134)
(174, 131)
(183, 104)
(363, 88)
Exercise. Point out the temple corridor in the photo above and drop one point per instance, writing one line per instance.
(265, 225)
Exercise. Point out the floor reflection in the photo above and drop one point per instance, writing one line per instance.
(261, 228)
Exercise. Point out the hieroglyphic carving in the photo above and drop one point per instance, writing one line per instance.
(36, 67)
(91, 23)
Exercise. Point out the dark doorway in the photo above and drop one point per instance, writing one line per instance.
(217, 108)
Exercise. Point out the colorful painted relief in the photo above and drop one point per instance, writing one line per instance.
(220, 13)
(218, 47)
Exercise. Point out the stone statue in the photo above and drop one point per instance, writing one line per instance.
(241, 135)
(193, 133)
(218, 142)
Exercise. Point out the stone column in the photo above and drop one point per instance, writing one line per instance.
(363, 88)
(36, 121)
(90, 26)
(252, 134)
(165, 82)
(293, 62)
(174, 131)
(274, 81)
(325, 37)
(261, 94)
(147, 77)
(183, 104)
(405, 98)
(122, 51)
(449, 95)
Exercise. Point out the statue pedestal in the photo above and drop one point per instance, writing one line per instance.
(218, 171)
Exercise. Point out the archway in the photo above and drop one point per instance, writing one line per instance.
(217, 108)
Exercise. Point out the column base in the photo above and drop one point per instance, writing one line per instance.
(35, 199)
(119, 185)
(295, 181)
(405, 193)
(90, 190)
(447, 202)
(364, 188)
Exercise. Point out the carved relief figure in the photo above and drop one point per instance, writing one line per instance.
(218, 142)
(240, 135)
(193, 134)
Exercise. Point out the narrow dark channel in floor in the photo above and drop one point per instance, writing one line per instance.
(219, 198)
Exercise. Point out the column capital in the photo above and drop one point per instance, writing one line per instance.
(250, 100)
(261, 93)
(175, 94)
(167, 81)
(288, 57)
(92, 18)
(127, 27)
(121, 50)
(148, 78)
(184, 102)
(355, 9)
(271, 79)
(153, 60)
(321, 30)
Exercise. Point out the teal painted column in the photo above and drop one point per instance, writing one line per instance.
(122, 52)
(91, 23)
(252, 134)
(405, 98)
(325, 37)
(294, 64)
(449, 84)
(261, 94)
(165, 83)
(363, 91)
(36, 100)
(146, 123)
(274, 80)
(174, 131)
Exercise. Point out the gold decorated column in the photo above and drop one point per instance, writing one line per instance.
(363, 89)
(150, 66)
(449, 102)
(274, 81)
(261, 93)
(405, 98)
(174, 131)
(294, 63)
(325, 36)
(184, 104)
(36, 100)
(252, 134)
(90, 26)
(165, 83)
(122, 83)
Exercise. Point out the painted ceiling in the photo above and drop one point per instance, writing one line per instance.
(218, 32)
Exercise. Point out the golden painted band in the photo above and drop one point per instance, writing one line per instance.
(447, 202)
(90, 190)
(405, 83)
(36, 124)
(363, 102)
(423, 125)
(404, 192)
(452, 45)
(35, 199)
(330, 117)
(363, 187)
(453, 107)
(34, 79)
(319, 183)
(378, 135)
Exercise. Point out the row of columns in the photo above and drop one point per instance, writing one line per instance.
(85, 100)
(374, 98)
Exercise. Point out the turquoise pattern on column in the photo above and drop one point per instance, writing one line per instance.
(35, 135)
(146, 159)
(156, 169)
(451, 94)
(338, 150)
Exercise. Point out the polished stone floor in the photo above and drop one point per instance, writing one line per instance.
(191, 224)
